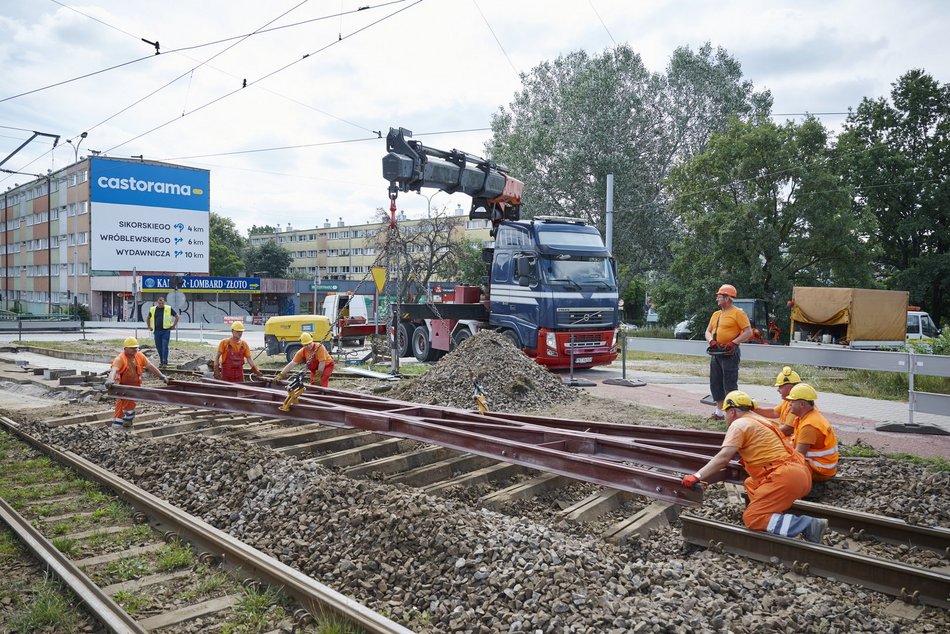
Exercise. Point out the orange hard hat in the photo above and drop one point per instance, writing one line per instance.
(727, 289)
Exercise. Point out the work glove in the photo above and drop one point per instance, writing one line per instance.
(713, 344)
(729, 346)
(280, 377)
(164, 378)
(258, 374)
(109, 383)
(691, 481)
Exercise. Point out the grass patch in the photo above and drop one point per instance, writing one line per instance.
(333, 625)
(50, 608)
(96, 497)
(207, 584)
(99, 539)
(9, 546)
(174, 556)
(135, 535)
(52, 510)
(132, 602)
(256, 610)
(129, 568)
(866, 451)
(65, 545)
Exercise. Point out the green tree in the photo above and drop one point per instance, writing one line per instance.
(762, 208)
(268, 260)
(898, 157)
(226, 247)
(465, 264)
(579, 118)
(254, 230)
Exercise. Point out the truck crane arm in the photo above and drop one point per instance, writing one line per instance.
(410, 165)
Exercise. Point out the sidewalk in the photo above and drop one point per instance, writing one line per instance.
(854, 418)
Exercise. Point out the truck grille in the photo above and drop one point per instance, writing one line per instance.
(585, 317)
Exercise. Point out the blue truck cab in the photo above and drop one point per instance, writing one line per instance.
(553, 291)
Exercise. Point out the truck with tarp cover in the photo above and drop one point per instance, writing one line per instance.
(851, 317)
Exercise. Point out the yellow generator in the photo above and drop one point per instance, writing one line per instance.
(282, 334)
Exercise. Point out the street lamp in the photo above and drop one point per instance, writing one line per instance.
(429, 201)
(76, 146)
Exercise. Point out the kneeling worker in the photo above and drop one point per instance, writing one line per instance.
(315, 356)
(128, 367)
(814, 438)
(785, 381)
(777, 475)
(230, 357)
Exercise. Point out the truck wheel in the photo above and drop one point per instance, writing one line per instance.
(462, 335)
(422, 348)
(403, 334)
(291, 350)
(512, 336)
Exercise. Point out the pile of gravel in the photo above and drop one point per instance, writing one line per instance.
(510, 380)
(437, 565)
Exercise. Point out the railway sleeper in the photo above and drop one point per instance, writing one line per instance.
(359, 455)
(442, 470)
(523, 490)
(400, 463)
(495, 473)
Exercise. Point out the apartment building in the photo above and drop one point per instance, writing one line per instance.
(79, 233)
(339, 251)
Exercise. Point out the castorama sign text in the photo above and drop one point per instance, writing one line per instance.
(150, 217)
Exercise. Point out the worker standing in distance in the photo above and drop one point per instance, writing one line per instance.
(161, 321)
(231, 355)
(315, 356)
(785, 381)
(813, 436)
(728, 327)
(777, 475)
(127, 368)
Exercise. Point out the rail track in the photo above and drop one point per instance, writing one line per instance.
(120, 555)
(359, 451)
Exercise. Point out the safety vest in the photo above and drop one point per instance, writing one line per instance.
(822, 457)
(121, 363)
(166, 317)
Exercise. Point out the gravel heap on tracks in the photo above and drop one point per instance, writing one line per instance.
(511, 380)
(441, 566)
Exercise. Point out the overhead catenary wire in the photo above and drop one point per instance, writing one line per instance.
(265, 76)
(180, 49)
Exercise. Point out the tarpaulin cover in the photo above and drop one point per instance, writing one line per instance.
(870, 315)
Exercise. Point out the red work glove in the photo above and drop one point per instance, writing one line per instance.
(691, 481)
(729, 346)
(713, 344)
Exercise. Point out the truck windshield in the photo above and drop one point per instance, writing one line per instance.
(570, 240)
(581, 272)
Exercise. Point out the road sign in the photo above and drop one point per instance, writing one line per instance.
(177, 300)
(379, 276)
(324, 287)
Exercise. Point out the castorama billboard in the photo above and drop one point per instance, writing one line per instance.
(149, 217)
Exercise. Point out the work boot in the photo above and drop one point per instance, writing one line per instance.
(118, 423)
(816, 530)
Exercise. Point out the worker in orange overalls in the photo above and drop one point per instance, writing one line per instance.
(813, 437)
(127, 367)
(785, 381)
(231, 355)
(315, 356)
(777, 474)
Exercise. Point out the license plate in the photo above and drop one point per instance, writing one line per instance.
(583, 359)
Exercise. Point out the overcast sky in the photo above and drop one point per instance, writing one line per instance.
(432, 66)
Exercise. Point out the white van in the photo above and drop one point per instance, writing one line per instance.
(920, 326)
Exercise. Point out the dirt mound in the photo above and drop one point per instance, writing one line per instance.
(510, 380)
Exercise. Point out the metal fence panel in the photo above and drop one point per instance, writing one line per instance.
(932, 364)
(928, 403)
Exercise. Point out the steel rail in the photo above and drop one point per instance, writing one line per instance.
(98, 602)
(910, 583)
(552, 459)
(859, 524)
(315, 597)
(650, 451)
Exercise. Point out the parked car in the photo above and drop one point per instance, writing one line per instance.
(683, 330)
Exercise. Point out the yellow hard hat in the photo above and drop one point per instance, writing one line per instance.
(306, 338)
(130, 342)
(727, 289)
(802, 392)
(738, 398)
(787, 375)
(238, 326)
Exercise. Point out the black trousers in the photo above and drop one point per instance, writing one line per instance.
(723, 375)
